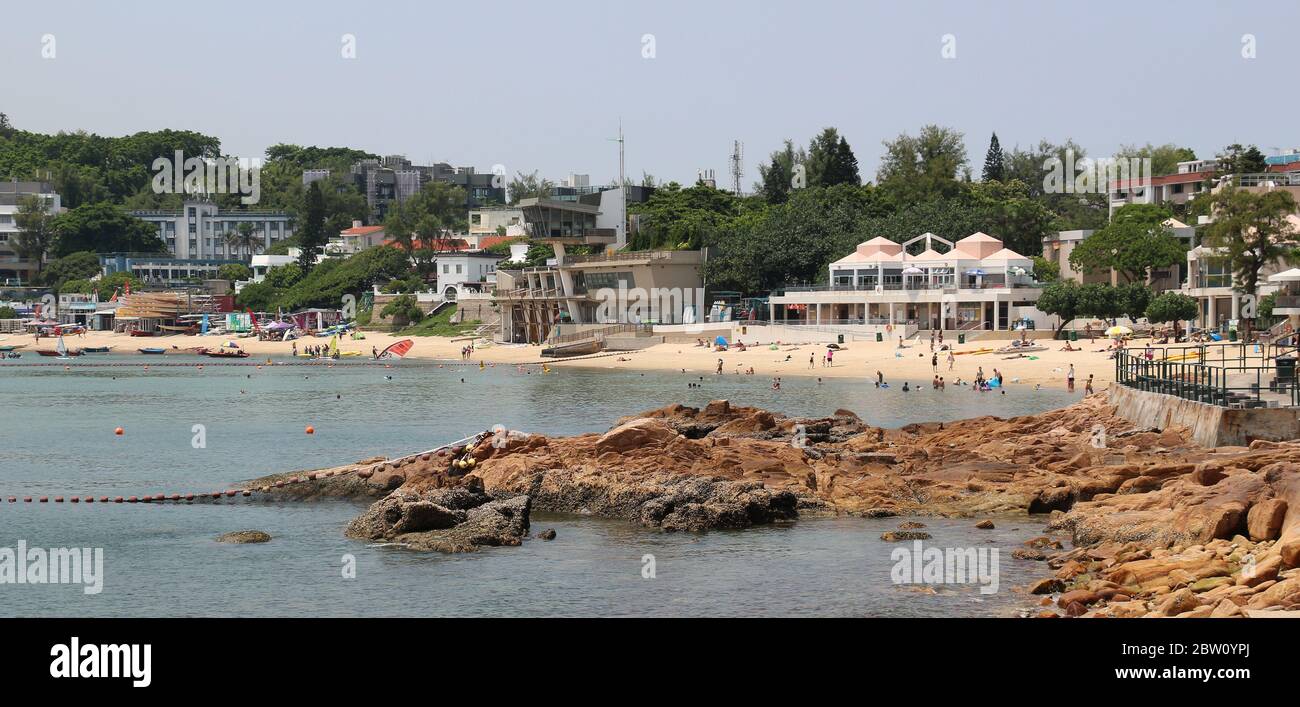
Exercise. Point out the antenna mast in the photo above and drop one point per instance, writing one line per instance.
(737, 166)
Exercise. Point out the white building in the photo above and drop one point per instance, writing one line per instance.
(465, 270)
(977, 283)
(199, 230)
(12, 195)
(1211, 283)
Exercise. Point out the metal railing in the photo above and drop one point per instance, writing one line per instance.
(1216, 374)
(599, 333)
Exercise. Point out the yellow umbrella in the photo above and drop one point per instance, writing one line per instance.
(1118, 331)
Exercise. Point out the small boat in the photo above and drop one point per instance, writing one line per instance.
(152, 351)
(95, 349)
(11, 347)
(580, 348)
(226, 354)
(137, 332)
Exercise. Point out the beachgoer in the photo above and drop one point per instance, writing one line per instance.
(1069, 378)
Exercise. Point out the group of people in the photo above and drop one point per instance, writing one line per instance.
(467, 352)
(315, 351)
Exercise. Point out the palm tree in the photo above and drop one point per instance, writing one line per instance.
(245, 237)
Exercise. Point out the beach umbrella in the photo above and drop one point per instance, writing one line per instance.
(1118, 331)
(913, 270)
(720, 341)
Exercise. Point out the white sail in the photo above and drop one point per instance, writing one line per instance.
(63, 350)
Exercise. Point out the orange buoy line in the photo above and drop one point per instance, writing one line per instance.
(363, 472)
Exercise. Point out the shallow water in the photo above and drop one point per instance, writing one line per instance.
(56, 427)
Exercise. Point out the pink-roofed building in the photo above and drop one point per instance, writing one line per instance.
(926, 283)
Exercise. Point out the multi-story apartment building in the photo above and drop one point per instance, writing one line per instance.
(394, 179)
(1058, 246)
(12, 194)
(200, 230)
(1192, 179)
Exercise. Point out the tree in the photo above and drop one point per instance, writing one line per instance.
(438, 208)
(775, 178)
(1236, 159)
(1045, 270)
(234, 271)
(1132, 300)
(831, 161)
(923, 167)
(311, 236)
(35, 231)
(1135, 241)
(993, 162)
(528, 186)
(1171, 307)
(81, 265)
(403, 310)
(1252, 231)
(7, 312)
(1072, 210)
(1062, 299)
(1164, 158)
(245, 239)
(103, 228)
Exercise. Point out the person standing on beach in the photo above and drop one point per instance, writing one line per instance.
(1087, 387)
(934, 362)
(812, 360)
(951, 359)
(1069, 379)
(830, 358)
(719, 366)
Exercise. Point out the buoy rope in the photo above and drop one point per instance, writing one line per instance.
(364, 472)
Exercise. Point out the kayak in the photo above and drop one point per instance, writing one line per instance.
(152, 351)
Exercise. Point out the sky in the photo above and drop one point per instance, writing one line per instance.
(543, 85)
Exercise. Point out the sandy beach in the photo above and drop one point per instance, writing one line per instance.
(857, 359)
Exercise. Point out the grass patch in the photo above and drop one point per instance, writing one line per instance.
(440, 325)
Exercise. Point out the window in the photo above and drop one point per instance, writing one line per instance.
(458, 268)
(1178, 189)
(446, 268)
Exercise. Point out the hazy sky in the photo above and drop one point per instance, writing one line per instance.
(541, 85)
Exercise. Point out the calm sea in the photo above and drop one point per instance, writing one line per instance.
(57, 438)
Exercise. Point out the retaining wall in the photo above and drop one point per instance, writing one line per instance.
(1211, 425)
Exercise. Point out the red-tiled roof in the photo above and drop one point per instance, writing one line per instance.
(441, 245)
(488, 241)
(1187, 178)
(361, 230)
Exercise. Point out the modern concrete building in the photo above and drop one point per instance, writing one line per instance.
(164, 269)
(496, 220)
(606, 289)
(976, 283)
(13, 267)
(394, 179)
(1192, 179)
(1211, 282)
(1057, 248)
(200, 230)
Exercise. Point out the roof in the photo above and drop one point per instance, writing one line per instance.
(488, 241)
(361, 230)
(1184, 178)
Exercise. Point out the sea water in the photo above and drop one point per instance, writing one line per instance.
(187, 429)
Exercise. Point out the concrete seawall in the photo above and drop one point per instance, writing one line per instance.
(1211, 425)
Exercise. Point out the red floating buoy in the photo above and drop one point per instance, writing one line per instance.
(118, 499)
(58, 499)
(27, 499)
(119, 432)
(103, 499)
(189, 497)
(90, 499)
(132, 499)
(74, 499)
(232, 492)
(176, 497)
(310, 430)
(45, 499)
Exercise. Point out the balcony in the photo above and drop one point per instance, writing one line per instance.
(1286, 304)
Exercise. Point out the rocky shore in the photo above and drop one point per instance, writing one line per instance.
(1155, 524)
